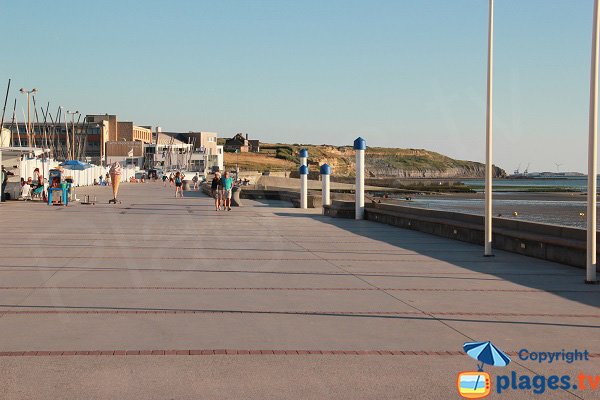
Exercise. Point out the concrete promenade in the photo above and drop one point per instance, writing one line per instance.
(164, 298)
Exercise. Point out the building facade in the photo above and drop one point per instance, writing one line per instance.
(242, 144)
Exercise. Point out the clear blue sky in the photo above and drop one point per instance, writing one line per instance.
(407, 73)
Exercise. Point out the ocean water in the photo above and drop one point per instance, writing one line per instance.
(578, 183)
(564, 212)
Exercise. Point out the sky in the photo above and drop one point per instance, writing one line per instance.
(400, 73)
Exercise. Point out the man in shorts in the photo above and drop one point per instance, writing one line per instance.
(215, 188)
(227, 183)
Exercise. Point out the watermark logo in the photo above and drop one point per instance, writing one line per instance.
(478, 384)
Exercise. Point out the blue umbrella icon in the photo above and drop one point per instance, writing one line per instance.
(487, 353)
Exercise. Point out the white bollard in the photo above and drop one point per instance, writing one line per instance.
(304, 157)
(325, 190)
(303, 187)
(359, 146)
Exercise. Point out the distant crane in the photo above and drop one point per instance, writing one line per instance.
(526, 169)
(518, 170)
(557, 167)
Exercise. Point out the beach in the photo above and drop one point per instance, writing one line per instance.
(549, 208)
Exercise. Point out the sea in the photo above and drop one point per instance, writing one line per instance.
(513, 201)
(571, 183)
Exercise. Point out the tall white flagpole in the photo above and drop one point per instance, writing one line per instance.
(488, 138)
(592, 156)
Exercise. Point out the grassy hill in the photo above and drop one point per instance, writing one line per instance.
(380, 162)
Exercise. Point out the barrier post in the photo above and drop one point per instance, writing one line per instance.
(325, 171)
(303, 186)
(359, 146)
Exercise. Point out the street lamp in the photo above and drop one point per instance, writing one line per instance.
(72, 113)
(28, 92)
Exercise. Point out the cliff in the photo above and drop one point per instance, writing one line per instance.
(380, 162)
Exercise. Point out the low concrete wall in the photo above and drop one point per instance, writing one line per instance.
(314, 199)
(556, 243)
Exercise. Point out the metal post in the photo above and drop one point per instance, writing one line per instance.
(303, 186)
(488, 139)
(359, 146)
(592, 156)
(325, 188)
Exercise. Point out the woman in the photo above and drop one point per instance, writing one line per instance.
(171, 179)
(38, 184)
(215, 188)
(179, 183)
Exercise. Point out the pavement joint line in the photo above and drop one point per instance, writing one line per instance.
(137, 257)
(295, 289)
(487, 274)
(94, 311)
(236, 352)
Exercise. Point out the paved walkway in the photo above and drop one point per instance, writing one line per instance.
(166, 298)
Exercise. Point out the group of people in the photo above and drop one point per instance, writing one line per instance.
(33, 186)
(175, 179)
(221, 187)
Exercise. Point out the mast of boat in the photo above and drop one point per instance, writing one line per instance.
(78, 136)
(53, 147)
(57, 133)
(37, 122)
(67, 140)
(26, 127)
(4, 108)
(45, 114)
(13, 122)
(17, 124)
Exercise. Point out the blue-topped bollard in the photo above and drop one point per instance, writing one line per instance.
(303, 186)
(325, 171)
(360, 145)
(303, 157)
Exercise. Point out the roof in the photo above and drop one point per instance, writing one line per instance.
(167, 140)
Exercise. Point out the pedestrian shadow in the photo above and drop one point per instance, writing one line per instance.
(561, 280)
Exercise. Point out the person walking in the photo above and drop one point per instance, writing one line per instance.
(164, 179)
(195, 181)
(4, 179)
(178, 179)
(215, 187)
(171, 179)
(227, 187)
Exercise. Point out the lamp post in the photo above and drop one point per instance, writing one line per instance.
(28, 92)
(590, 276)
(72, 152)
(488, 136)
